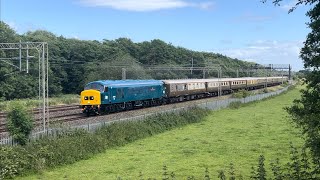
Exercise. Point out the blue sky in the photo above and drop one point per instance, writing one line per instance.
(247, 29)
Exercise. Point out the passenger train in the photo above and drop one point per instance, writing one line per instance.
(106, 96)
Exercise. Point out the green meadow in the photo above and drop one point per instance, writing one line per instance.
(227, 136)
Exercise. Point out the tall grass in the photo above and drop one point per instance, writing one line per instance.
(33, 103)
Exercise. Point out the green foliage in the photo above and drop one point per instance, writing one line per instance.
(285, 84)
(11, 161)
(71, 146)
(165, 174)
(235, 105)
(207, 174)
(232, 172)
(33, 103)
(242, 93)
(221, 175)
(19, 123)
(276, 170)
(260, 172)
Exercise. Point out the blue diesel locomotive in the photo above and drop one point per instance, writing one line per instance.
(118, 95)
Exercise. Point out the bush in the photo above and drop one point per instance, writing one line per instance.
(19, 123)
(241, 94)
(235, 105)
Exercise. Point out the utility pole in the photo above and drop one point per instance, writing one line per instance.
(124, 73)
(20, 56)
(219, 78)
(290, 72)
(191, 65)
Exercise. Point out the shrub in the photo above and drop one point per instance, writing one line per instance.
(19, 123)
(241, 94)
(260, 172)
(235, 105)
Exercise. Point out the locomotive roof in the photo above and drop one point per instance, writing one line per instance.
(215, 79)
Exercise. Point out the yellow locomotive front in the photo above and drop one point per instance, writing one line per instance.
(90, 100)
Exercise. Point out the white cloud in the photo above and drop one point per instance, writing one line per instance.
(145, 5)
(21, 28)
(268, 52)
(289, 5)
(13, 25)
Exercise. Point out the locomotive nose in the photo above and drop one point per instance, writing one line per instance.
(90, 97)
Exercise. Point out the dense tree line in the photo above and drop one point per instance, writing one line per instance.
(75, 62)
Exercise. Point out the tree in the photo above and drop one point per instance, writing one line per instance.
(305, 112)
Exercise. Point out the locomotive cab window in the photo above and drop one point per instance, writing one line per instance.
(95, 86)
(105, 89)
(91, 98)
(86, 98)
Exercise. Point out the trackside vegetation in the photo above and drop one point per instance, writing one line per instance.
(237, 136)
(73, 146)
(19, 123)
(34, 102)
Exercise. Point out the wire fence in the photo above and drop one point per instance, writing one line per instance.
(211, 105)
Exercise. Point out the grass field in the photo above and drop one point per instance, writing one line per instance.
(231, 135)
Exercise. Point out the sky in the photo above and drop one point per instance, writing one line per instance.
(245, 29)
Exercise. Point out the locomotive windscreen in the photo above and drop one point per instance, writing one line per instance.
(94, 86)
